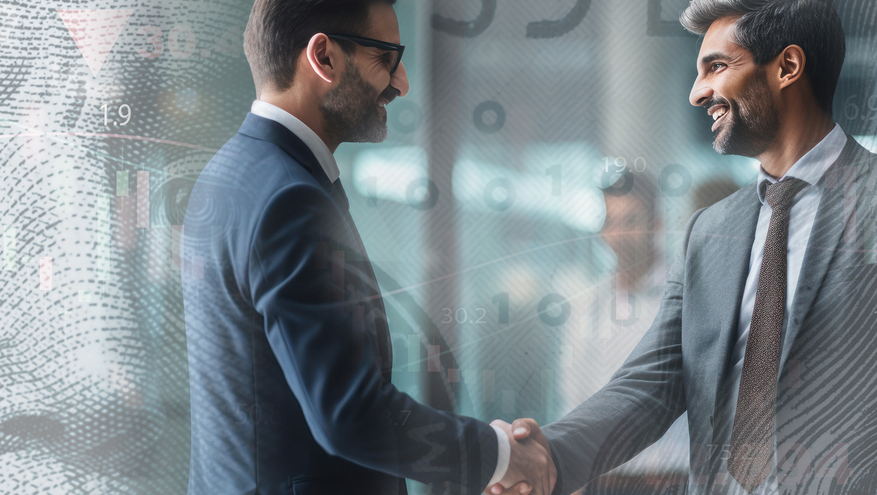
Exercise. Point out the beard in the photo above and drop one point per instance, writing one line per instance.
(350, 110)
(758, 122)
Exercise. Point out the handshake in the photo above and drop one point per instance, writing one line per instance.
(531, 469)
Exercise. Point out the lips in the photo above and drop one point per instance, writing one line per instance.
(387, 96)
(382, 107)
(718, 113)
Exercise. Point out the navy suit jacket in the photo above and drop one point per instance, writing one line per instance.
(826, 405)
(288, 345)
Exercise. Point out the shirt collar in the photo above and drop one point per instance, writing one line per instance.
(812, 166)
(305, 133)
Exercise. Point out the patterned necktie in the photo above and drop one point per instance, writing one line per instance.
(750, 458)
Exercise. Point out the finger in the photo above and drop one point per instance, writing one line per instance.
(502, 425)
(551, 479)
(535, 432)
(521, 487)
(521, 428)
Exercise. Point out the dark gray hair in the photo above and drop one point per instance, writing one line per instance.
(279, 30)
(767, 27)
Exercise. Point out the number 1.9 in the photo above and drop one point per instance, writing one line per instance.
(124, 113)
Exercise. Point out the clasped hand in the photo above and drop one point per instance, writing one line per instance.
(531, 469)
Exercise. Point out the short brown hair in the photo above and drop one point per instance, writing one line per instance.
(278, 31)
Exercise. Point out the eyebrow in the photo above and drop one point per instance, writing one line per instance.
(712, 57)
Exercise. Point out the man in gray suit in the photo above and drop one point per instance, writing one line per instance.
(767, 331)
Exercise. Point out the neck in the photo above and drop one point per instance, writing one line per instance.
(630, 276)
(304, 108)
(794, 141)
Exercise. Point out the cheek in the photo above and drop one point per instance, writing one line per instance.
(613, 237)
(379, 80)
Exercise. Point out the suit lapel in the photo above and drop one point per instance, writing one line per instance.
(274, 132)
(834, 209)
(732, 251)
(264, 129)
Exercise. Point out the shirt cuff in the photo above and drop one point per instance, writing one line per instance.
(504, 449)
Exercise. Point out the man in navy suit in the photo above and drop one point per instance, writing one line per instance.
(766, 331)
(288, 343)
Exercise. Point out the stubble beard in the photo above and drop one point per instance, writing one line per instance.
(758, 122)
(350, 110)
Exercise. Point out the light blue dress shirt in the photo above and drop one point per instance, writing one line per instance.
(810, 168)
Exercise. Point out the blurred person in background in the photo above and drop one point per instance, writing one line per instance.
(619, 311)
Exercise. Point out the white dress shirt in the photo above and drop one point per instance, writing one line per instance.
(810, 168)
(303, 132)
(330, 166)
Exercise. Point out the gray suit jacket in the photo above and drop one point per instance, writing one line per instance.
(826, 416)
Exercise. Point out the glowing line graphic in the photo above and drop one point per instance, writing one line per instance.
(105, 135)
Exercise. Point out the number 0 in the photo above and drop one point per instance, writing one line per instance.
(173, 41)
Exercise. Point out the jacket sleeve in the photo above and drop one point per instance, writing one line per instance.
(637, 406)
(327, 350)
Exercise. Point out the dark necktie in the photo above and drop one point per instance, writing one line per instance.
(750, 458)
(339, 194)
(385, 344)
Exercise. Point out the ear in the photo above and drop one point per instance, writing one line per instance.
(324, 57)
(791, 65)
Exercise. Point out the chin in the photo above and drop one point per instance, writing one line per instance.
(380, 133)
(377, 135)
(726, 143)
(720, 148)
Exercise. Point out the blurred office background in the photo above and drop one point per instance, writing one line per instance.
(520, 217)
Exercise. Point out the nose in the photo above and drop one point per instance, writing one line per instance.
(400, 80)
(700, 93)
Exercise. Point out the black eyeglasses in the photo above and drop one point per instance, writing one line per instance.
(380, 45)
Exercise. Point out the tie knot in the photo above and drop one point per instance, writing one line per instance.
(781, 194)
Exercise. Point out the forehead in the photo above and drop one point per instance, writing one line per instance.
(382, 23)
(720, 38)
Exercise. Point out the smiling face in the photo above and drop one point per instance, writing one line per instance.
(736, 94)
(354, 110)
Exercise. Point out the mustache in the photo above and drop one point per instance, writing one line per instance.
(717, 100)
(390, 93)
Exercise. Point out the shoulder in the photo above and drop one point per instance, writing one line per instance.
(247, 177)
(256, 167)
(727, 211)
(853, 176)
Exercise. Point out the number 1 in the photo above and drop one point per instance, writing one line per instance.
(502, 300)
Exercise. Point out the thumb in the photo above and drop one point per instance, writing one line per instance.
(520, 429)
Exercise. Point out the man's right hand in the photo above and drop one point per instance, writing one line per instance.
(531, 469)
